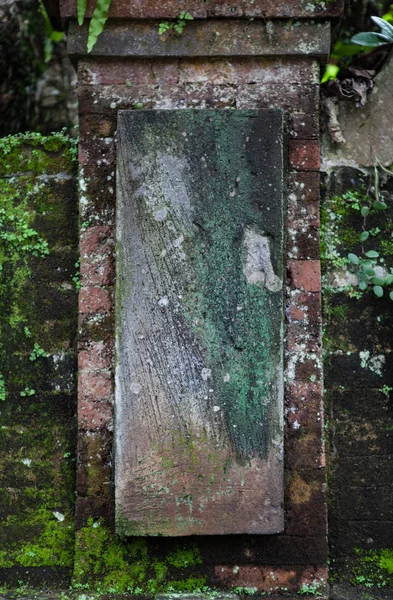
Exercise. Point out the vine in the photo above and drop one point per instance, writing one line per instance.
(365, 265)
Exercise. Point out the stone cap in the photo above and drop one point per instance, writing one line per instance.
(202, 9)
(211, 38)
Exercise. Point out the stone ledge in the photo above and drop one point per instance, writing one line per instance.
(230, 37)
(201, 9)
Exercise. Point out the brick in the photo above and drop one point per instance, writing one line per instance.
(94, 385)
(305, 275)
(266, 579)
(303, 126)
(96, 507)
(95, 300)
(96, 240)
(97, 271)
(95, 415)
(303, 244)
(304, 155)
(304, 306)
(306, 511)
(97, 355)
(303, 337)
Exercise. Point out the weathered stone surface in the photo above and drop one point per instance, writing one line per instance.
(151, 9)
(368, 131)
(199, 321)
(211, 38)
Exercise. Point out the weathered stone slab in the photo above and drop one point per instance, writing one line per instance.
(199, 322)
(229, 37)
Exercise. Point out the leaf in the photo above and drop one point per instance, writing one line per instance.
(369, 272)
(378, 280)
(81, 8)
(378, 291)
(388, 280)
(369, 38)
(372, 254)
(364, 211)
(330, 72)
(391, 295)
(363, 236)
(385, 27)
(353, 259)
(97, 22)
(363, 285)
(379, 205)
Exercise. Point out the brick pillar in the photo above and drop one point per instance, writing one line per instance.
(238, 62)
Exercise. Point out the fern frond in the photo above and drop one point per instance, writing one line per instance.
(97, 22)
(81, 6)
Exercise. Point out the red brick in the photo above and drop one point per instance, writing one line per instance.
(304, 155)
(94, 385)
(305, 502)
(97, 355)
(95, 300)
(305, 275)
(95, 415)
(94, 239)
(304, 306)
(268, 578)
(303, 337)
(303, 244)
(97, 271)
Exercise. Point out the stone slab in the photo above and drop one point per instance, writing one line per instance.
(229, 37)
(167, 9)
(199, 428)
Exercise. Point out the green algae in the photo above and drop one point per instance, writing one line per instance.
(373, 568)
(105, 563)
(37, 480)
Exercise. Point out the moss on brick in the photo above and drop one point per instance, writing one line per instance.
(38, 311)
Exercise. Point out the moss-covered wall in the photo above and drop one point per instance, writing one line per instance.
(359, 385)
(38, 312)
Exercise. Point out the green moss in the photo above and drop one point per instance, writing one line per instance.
(108, 564)
(373, 568)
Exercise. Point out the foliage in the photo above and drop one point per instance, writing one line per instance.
(370, 38)
(97, 21)
(365, 265)
(51, 35)
(177, 25)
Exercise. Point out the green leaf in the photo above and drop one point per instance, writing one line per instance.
(386, 28)
(363, 285)
(378, 280)
(369, 272)
(364, 211)
(363, 236)
(353, 259)
(388, 280)
(378, 291)
(98, 20)
(81, 8)
(391, 295)
(330, 73)
(372, 254)
(379, 205)
(368, 38)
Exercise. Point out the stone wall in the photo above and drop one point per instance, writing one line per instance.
(297, 559)
(357, 345)
(38, 302)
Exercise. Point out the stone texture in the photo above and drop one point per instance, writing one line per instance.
(199, 300)
(368, 131)
(210, 38)
(151, 9)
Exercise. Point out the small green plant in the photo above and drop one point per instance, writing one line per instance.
(385, 390)
(311, 589)
(3, 393)
(371, 38)
(37, 352)
(76, 278)
(27, 392)
(177, 25)
(365, 266)
(97, 21)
